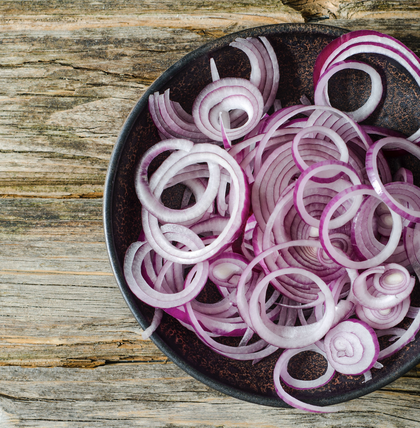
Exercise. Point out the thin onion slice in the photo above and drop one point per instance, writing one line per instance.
(321, 88)
(373, 174)
(283, 265)
(333, 252)
(352, 347)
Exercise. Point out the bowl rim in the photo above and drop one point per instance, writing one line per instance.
(107, 212)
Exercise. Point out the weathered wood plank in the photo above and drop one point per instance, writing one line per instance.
(355, 9)
(68, 81)
(378, 10)
(60, 305)
(132, 7)
(69, 78)
(161, 395)
(70, 73)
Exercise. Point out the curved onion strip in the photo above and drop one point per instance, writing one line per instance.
(329, 210)
(404, 175)
(259, 349)
(258, 68)
(412, 246)
(156, 320)
(361, 292)
(373, 223)
(264, 66)
(171, 120)
(275, 72)
(280, 117)
(351, 347)
(227, 94)
(383, 318)
(149, 193)
(139, 286)
(273, 178)
(226, 268)
(305, 384)
(291, 336)
(372, 171)
(335, 138)
(279, 369)
(239, 210)
(363, 112)
(242, 303)
(367, 41)
(405, 338)
(303, 181)
(344, 42)
(394, 281)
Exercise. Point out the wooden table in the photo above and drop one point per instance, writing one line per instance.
(71, 354)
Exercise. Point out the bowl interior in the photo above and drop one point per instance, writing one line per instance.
(297, 47)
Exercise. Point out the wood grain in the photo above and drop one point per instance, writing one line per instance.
(355, 9)
(132, 395)
(70, 77)
(71, 354)
(60, 305)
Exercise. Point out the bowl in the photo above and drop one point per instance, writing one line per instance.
(297, 47)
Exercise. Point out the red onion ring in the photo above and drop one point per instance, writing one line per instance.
(352, 347)
(373, 174)
(286, 270)
(321, 88)
(392, 244)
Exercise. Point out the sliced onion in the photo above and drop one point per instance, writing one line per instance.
(240, 206)
(372, 171)
(383, 318)
(280, 371)
(225, 95)
(402, 286)
(314, 170)
(148, 294)
(284, 262)
(339, 258)
(406, 337)
(363, 112)
(352, 347)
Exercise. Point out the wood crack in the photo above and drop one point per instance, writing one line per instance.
(312, 10)
(138, 78)
(90, 195)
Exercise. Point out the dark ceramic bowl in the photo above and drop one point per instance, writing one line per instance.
(297, 46)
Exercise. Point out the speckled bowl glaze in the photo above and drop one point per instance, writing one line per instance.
(297, 46)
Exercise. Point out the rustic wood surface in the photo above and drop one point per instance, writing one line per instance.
(71, 354)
